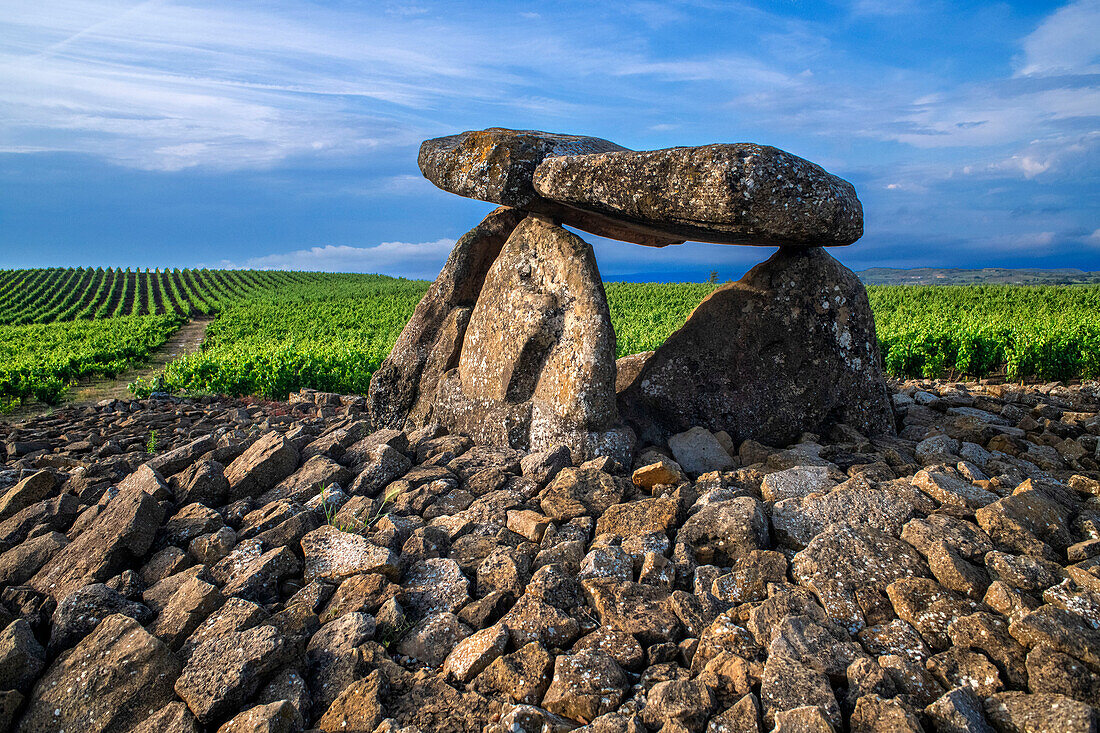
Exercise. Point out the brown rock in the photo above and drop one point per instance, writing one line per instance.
(718, 534)
(585, 685)
(679, 702)
(1052, 671)
(111, 681)
(225, 671)
(642, 610)
(405, 384)
(579, 491)
(1040, 713)
(549, 378)
(29, 491)
(358, 709)
(21, 562)
(274, 717)
(522, 676)
(738, 193)
(172, 718)
(330, 553)
(819, 365)
(123, 531)
(22, 658)
(266, 462)
(497, 165)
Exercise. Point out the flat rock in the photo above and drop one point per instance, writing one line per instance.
(225, 671)
(497, 165)
(331, 553)
(734, 193)
(790, 348)
(111, 681)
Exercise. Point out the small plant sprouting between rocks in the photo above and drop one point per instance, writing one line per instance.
(151, 443)
(356, 525)
(389, 635)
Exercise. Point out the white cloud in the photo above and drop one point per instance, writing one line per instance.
(1094, 238)
(1067, 41)
(402, 259)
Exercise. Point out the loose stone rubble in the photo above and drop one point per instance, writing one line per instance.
(945, 578)
(513, 344)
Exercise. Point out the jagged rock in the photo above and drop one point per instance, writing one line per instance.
(431, 640)
(172, 718)
(403, 387)
(20, 563)
(305, 483)
(790, 348)
(720, 533)
(203, 482)
(642, 610)
(579, 491)
(1060, 630)
(698, 452)
(123, 531)
(585, 685)
(56, 514)
(874, 714)
(843, 559)
(787, 684)
(22, 658)
(435, 585)
(1054, 672)
(797, 521)
(331, 553)
(796, 483)
(78, 613)
(549, 378)
(188, 607)
(358, 708)
(112, 680)
(958, 711)
(958, 667)
(929, 608)
(29, 491)
(476, 652)
(523, 676)
(274, 717)
(266, 462)
(225, 671)
(1042, 713)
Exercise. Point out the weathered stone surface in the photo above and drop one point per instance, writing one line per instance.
(843, 559)
(21, 562)
(78, 613)
(225, 671)
(737, 193)
(433, 585)
(330, 553)
(1041, 713)
(585, 685)
(21, 656)
(633, 608)
(111, 681)
(405, 384)
(266, 462)
(522, 675)
(172, 718)
(958, 711)
(433, 639)
(698, 452)
(497, 165)
(123, 531)
(789, 348)
(274, 717)
(476, 652)
(579, 491)
(549, 377)
(718, 534)
(30, 490)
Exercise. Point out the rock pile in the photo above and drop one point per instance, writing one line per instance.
(282, 567)
(513, 344)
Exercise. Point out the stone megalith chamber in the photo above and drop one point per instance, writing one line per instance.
(513, 343)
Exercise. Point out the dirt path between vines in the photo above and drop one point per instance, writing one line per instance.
(186, 340)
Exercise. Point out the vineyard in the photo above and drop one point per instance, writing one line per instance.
(276, 332)
(73, 294)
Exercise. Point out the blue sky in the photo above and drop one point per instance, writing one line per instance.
(284, 134)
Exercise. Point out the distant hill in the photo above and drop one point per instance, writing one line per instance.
(983, 276)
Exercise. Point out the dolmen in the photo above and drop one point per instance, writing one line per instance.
(513, 343)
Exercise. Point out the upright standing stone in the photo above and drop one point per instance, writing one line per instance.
(789, 348)
(404, 385)
(537, 365)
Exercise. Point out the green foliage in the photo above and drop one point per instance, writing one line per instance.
(152, 443)
(276, 333)
(41, 360)
(1048, 332)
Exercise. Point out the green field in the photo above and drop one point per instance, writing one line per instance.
(275, 332)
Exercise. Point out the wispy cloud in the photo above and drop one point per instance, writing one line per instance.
(404, 259)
